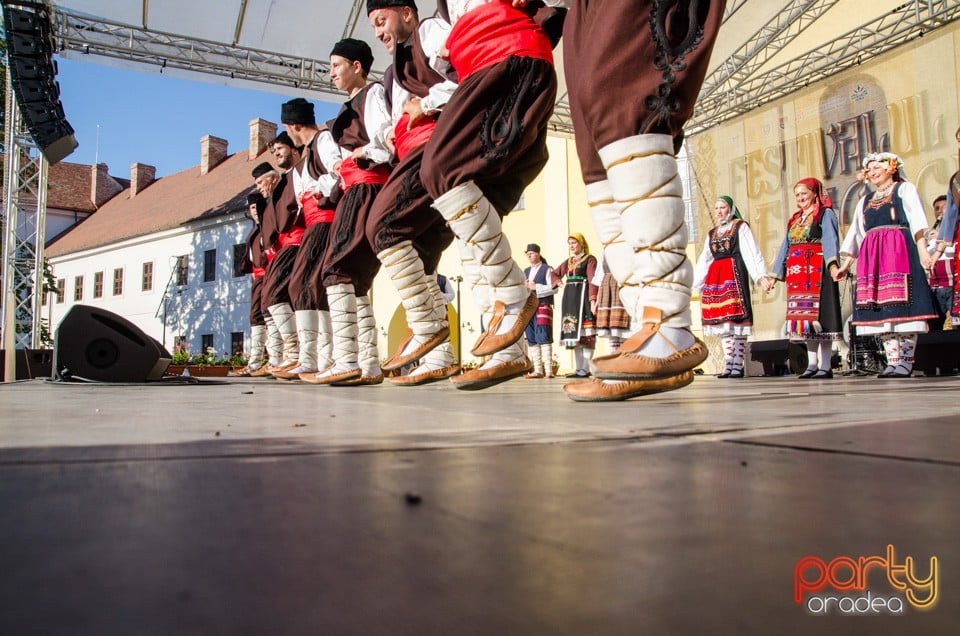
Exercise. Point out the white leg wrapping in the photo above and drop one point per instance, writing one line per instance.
(343, 319)
(258, 339)
(536, 356)
(826, 353)
(546, 350)
(403, 265)
(308, 323)
(283, 316)
(324, 341)
(368, 354)
(643, 177)
(474, 221)
(274, 341)
(618, 255)
(813, 354)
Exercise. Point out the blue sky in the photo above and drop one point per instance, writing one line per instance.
(157, 119)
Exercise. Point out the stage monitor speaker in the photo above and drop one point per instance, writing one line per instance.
(33, 75)
(938, 350)
(30, 363)
(94, 344)
(779, 357)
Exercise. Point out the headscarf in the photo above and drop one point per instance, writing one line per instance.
(731, 205)
(576, 236)
(893, 161)
(823, 201)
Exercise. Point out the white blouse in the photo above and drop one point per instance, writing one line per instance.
(749, 252)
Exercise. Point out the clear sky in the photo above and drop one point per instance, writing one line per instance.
(157, 119)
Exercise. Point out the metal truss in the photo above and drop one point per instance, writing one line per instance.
(359, 6)
(81, 34)
(908, 21)
(24, 223)
(769, 40)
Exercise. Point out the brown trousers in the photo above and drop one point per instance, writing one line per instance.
(256, 307)
(634, 67)
(276, 282)
(306, 290)
(493, 132)
(403, 212)
(349, 257)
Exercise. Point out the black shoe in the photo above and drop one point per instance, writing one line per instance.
(822, 375)
(735, 374)
(887, 372)
(809, 373)
(724, 375)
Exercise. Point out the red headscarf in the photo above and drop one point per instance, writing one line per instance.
(823, 201)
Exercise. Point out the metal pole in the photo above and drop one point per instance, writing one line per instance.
(11, 168)
(458, 280)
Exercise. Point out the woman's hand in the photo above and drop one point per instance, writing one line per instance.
(841, 272)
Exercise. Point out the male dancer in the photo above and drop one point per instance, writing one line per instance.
(350, 264)
(405, 231)
(488, 146)
(317, 191)
(281, 235)
(255, 264)
(632, 84)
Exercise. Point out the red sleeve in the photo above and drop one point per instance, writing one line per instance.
(558, 272)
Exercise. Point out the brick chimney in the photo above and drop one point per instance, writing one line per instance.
(213, 151)
(103, 187)
(262, 132)
(141, 175)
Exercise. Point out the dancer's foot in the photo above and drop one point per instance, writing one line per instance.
(596, 390)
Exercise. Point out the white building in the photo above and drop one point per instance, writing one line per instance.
(166, 253)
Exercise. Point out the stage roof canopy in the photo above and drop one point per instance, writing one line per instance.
(766, 48)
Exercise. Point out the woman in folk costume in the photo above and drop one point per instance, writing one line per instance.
(539, 331)
(613, 321)
(886, 237)
(807, 260)
(729, 260)
(578, 325)
(948, 235)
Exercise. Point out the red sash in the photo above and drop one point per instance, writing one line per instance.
(721, 299)
(352, 174)
(407, 140)
(490, 34)
(312, 212)
(293, 237)
(259, 272)
(269, 253)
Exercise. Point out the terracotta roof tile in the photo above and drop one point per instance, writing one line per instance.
(167, 203)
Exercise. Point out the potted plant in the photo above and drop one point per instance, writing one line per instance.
(207, 364)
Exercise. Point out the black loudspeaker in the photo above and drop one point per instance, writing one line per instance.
(30, 363)
(33, 75)
(94, 344)
(938, 350)
(779, 357)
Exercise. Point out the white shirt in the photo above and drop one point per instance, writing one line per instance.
(376, 120)
(749, 252)
(542, 290)
(457, 8)
(324, 145)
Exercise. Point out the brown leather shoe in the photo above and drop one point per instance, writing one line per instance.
(627, 364)
(363, 380)
(476, 379)
(261, 372)
(426, 377)
(318, 378)
(241, 372)
(595, 390)
(533, 375)
(292, 373)
(490, 341)
(398, 359)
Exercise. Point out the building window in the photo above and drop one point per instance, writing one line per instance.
(206, 342)
(98, 285)
(118, 281)
(236, 343)
(239, 259)
(61, 289)
(183, 265)
(78, 288)
(147, 282)
(209, 265)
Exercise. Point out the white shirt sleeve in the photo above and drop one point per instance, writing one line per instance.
(913, 208)
(458, 8)
(703, 264)
(750, 252)
(327, 149)
(377, 121)
(433, 37)
(851, 242)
